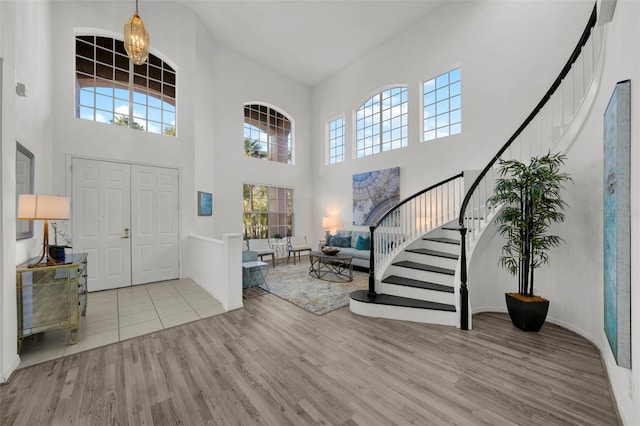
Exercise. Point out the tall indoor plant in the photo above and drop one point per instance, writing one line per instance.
(531, 195)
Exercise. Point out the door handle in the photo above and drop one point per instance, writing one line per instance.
(126, 233)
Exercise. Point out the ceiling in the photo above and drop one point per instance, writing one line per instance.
(307, 40)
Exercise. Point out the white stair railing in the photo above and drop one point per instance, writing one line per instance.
(414, 217)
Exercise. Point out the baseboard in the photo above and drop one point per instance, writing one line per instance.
(15, 362)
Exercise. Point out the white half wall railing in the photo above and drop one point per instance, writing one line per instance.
(216, 265)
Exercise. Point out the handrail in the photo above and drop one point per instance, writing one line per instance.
(411, 217)
(481, 210)
(530, 117)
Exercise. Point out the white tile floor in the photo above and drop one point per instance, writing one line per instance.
(115, 315)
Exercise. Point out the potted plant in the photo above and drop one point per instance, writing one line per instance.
(57, 251)
(531, 195)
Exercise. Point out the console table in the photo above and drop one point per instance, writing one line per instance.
(52, 297)
(336, 268)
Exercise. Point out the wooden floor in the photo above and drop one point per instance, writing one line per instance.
(272, 363)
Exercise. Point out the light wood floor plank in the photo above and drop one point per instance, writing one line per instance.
(272, 363)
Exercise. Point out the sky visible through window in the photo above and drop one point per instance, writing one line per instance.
(336, 141)
(111, 89)
(442, 106)
(111, 106)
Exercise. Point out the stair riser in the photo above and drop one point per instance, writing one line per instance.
(417, 274)
(418, 293)
(447, 233)
(447, 248)
(426, 259)
(403, 313)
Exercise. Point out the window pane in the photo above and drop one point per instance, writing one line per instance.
(267, 134)
(444, 99)
(102, 66)
(379, 119)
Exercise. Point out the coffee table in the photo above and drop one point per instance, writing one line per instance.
(336, 268)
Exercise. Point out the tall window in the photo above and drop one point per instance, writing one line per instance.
(111, 89)
(336, 140)
(267, 211)
(267, 134)
(381, 122)
(442, 106)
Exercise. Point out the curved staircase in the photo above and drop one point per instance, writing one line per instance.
(420, 248)
(419, 284)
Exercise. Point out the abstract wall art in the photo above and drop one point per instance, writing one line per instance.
(374, 193)
(205, 204)
(617, 224)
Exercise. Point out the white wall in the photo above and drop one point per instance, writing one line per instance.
(498, 92)
(574, 279)
(248, 81)
(499, 46)
(25, 47)
(213, 85)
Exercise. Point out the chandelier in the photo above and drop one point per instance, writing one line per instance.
(136, 39)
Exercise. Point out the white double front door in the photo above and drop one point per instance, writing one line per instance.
(126, 217)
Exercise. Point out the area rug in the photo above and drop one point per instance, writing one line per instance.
(294, 284)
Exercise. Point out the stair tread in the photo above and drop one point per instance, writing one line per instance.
(431, 252)
(410, 282)
(387, 299)
(423, 267)
(442, 240)
(452, 228)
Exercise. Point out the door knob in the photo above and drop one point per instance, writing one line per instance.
(126, 233)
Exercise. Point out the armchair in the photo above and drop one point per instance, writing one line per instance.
(297, 245)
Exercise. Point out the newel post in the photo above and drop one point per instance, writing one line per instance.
(464, 292)
(372, 272)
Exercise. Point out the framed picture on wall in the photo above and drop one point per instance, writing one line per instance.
(24, 185)
(205, 203)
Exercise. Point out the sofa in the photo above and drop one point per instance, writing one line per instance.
(352, 243)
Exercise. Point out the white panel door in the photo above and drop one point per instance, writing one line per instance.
(154, 213)
(101, 220)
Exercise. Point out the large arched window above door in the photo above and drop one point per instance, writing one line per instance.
(111, 89)
(267, 134)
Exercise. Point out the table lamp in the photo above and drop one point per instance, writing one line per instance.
(327, 224)
(43, 207)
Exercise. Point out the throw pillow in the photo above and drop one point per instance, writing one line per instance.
(363, 243)
(341, 241)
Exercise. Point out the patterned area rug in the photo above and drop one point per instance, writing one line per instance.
(294, 284)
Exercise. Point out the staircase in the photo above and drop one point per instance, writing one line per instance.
(419, 285)
(422, 247)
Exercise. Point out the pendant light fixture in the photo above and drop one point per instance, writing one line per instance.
(136, 39)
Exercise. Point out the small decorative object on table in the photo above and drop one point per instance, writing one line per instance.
(331, 251)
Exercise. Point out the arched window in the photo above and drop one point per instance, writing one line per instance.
(381, 122)
(267, 134)
(111, 89)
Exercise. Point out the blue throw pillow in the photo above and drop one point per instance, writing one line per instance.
(341, 241)
(363, 243)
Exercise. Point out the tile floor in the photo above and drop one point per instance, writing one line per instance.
(120, 314)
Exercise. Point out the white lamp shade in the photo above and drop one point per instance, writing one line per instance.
(31, 206)
(327, 222)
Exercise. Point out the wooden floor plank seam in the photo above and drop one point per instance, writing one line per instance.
(273, 363)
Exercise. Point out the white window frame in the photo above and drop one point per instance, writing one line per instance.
(269, 143)
(136, 100)
(333, 159)
(381, 145)
(453, 116)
